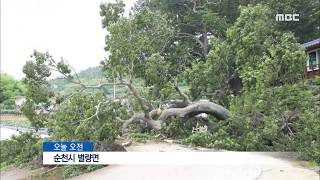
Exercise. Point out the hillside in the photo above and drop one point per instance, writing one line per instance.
(90, 76)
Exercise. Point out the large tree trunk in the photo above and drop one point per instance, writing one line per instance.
(157, 118)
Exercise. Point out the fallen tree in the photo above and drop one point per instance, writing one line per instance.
(145, 48)
(184, 109)
(157, 117)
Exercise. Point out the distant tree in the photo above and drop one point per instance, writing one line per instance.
(10, 87)
(194, 22)
(308, 26)
(255, 55)
(91, 73)
(264, 55)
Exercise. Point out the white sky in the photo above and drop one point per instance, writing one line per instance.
(70, 29)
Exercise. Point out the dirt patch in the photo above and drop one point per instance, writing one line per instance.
(15, 174)
(42, 173)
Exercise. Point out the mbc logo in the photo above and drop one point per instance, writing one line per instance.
(287, 17)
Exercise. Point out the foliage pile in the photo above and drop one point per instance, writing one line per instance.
(69, 122)
(272, 110)
(288, 122)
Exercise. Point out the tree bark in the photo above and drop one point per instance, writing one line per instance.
(156, 121)
(204, 39)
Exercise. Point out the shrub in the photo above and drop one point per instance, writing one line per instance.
(72, 121)
(307, 141)
(204, 139)
(176, 128)
(283, 118)
(20, 149)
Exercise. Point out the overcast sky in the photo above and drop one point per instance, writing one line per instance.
(66, 28)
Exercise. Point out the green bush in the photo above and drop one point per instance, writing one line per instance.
(283, 118)
(72, 121)
(218, 140)
(263, 124)
(176, 128)
(200, 139)
(317, 80)
(20, 149)
(307, 140)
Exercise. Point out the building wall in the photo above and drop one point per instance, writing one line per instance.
(313, 70)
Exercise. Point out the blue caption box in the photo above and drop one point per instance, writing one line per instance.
(68, 146)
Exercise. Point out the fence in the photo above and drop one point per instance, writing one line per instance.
(6, 115)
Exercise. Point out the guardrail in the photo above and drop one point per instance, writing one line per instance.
(10, 111)
(11, 115)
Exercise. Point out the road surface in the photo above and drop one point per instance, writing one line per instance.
(266, 166)
(7, 131)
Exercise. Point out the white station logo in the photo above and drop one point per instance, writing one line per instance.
(287, 17)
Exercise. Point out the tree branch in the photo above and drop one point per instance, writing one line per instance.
(182, 34)
(185, 96)
(96, 114)
(191, 110)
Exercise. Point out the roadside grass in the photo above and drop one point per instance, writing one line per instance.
(70, 171)
(50, 174)
(312, 165)
(4, 167)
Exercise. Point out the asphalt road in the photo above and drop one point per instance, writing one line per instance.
(266, 166)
